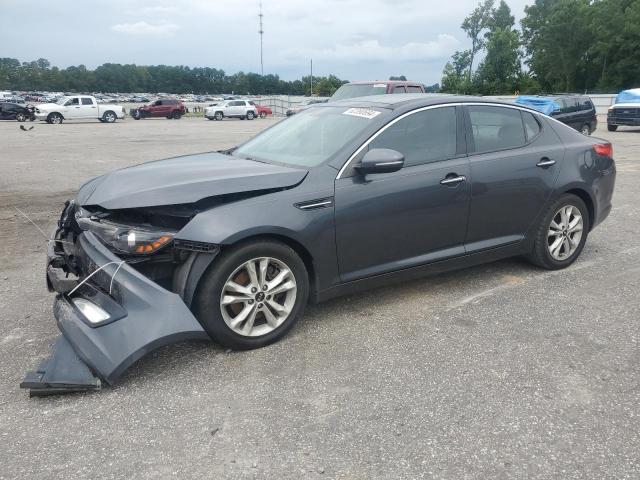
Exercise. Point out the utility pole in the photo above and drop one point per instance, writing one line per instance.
(311, 94)
(261, 32)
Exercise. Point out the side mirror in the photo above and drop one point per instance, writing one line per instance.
(381, 160)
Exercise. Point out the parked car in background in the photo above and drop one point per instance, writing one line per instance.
(263, 111)
(14, 111)
(577, 111)
(304, 105)
(242, 109)
(361, 89)
(625, 110)
(78, 107)
(169, 108)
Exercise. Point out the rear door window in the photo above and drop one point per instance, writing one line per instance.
(531, 126)
(495, 128)
(87, 101)
(423, 137)
(568, 105)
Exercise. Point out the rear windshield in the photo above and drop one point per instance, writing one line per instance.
(359, 90)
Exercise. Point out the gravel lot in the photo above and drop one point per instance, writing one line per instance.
(499, 371)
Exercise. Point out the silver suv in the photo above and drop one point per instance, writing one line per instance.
(232, 108)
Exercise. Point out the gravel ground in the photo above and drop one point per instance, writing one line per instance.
(498, 371)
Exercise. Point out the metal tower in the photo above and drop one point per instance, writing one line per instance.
(261, 32)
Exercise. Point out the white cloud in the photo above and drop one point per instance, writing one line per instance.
(373, 50)
(144, 28)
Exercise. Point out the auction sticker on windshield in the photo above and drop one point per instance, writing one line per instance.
(362, 112)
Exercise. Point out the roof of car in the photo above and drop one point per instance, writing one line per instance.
(393, 101)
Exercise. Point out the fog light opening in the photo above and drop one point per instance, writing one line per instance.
(90, 310)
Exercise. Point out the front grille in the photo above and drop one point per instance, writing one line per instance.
(192, 246)
(626, 112)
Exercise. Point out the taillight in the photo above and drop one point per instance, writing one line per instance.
(603, 149)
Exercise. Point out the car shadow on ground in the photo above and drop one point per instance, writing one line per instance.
(182, 359)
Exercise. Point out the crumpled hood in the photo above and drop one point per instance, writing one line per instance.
(183, 180)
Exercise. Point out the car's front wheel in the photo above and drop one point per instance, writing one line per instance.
(562, 233)
(252, 295)
(263, 114)
(250, 116)
(586, 129)
(21, 117)
(54, 118)
(219, 116)
(612, 128)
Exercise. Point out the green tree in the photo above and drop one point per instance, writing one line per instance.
(500, 70)
(454, 75)
(474, 25)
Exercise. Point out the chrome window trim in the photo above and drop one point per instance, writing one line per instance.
(430, 107)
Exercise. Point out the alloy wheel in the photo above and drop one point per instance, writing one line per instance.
(110, 117)
(258, 296)
(585, 130)
(21, 117)
(565, 232)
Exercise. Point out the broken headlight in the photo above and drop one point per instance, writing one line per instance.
(127, 238)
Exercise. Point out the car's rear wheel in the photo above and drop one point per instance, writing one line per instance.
(252, 295)
(561, 234)
(612, 128)
(218, 116)
(586, 129)
(250, 116)
(54, 118)
(21, 117)
(109, 117)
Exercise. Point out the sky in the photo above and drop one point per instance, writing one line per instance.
(353, 39)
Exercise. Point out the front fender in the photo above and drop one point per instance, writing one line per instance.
(275, 215)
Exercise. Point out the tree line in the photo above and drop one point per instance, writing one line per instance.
(114, 77)
(561, 46)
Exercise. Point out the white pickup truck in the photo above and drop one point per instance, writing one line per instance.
(78, 107)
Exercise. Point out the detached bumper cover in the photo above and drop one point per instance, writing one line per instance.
(142, 315)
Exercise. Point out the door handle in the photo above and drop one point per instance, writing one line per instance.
(452, 180)
(545, 162)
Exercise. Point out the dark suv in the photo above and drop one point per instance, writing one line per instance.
(166, 107)
(577, 111)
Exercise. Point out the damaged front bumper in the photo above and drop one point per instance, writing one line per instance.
(136, 316)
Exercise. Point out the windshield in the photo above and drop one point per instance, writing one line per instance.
(308, 138)
(359, 90)
(62, 101)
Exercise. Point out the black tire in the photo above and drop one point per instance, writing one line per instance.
(177, 115)
(586, 129)
(243, 117)
(55, 118)
(612, 128)
(21, 117)
(263, 114)
(109, 117)
(251, 115)
(206, 305)
(218, 116)
(540, 255)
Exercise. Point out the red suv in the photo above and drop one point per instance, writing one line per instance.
(166, 107)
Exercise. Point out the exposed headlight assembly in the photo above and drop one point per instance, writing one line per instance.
(126, 238)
